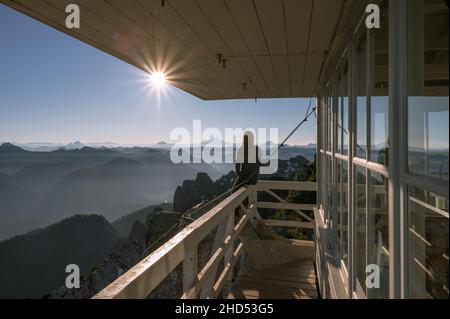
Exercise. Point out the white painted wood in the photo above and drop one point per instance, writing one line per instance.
(229, 251)
(297, 63)
(298, 17)
(264, 64)
(270, 14)
(287, 223)
(429, 207)
(397, 146)
(227, 271)
(324, 23)
(220, 237)
(193, 291)
(284, 201)
(282, 185)
(282, 73)
(270, 205)
(437, 186)
(190, 267)
(311, 75)
(245, 17)
(351, 166)
(378, 168)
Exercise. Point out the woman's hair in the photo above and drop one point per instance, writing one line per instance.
(248, 138)
(247, 152)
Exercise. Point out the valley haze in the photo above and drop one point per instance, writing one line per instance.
(42, 183)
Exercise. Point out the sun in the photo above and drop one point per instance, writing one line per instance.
(158, 80)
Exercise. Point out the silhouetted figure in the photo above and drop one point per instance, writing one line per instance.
(248, 161)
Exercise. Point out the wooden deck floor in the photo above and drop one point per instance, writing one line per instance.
(294, 280)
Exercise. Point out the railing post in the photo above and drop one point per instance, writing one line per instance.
(190, 266)
(222, 233)
(252, 200)
(229, 252)
(253, 208)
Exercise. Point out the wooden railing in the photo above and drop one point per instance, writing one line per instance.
(143, 278)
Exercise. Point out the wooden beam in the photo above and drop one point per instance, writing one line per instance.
(283, 185)
(284, 201)
(288, 223)
(271, 205)
(190, 267)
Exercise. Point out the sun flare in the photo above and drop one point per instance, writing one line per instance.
(158, 80)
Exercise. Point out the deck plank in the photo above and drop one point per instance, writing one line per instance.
(294, 280)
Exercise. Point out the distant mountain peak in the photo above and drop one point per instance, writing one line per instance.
(75, 145)
(11, 148)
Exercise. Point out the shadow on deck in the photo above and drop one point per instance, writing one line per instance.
(293, 280)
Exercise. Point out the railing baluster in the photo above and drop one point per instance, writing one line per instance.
(215, 259)
(190, 267)
(230, 250)
(218, 240)
(252, 200)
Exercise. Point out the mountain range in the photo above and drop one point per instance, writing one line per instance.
(102, 249)
(39, 188)
(34, 264)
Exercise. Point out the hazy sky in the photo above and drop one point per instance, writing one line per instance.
(54, 88)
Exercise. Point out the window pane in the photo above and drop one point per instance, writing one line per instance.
(330, 181)
(343, 236)
(344, 90)
(428, 110)
(338, 195)
(428, 244)
(330, 118)
(379, 129)
(323, 113)
(379, 102)
(378, 236)
(339, 113)
(361, 98)
(360, 224)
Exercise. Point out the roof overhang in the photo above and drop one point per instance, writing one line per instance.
(213, 49)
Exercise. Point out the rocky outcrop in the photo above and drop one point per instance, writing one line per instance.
(199, 190)
(137, 232)
(193, 192)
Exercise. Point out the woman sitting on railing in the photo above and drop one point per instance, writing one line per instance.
(248, 161)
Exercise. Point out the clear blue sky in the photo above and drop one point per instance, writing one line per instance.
(54, 88)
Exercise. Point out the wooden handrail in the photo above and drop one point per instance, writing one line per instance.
(139, 281)
(143, 278)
